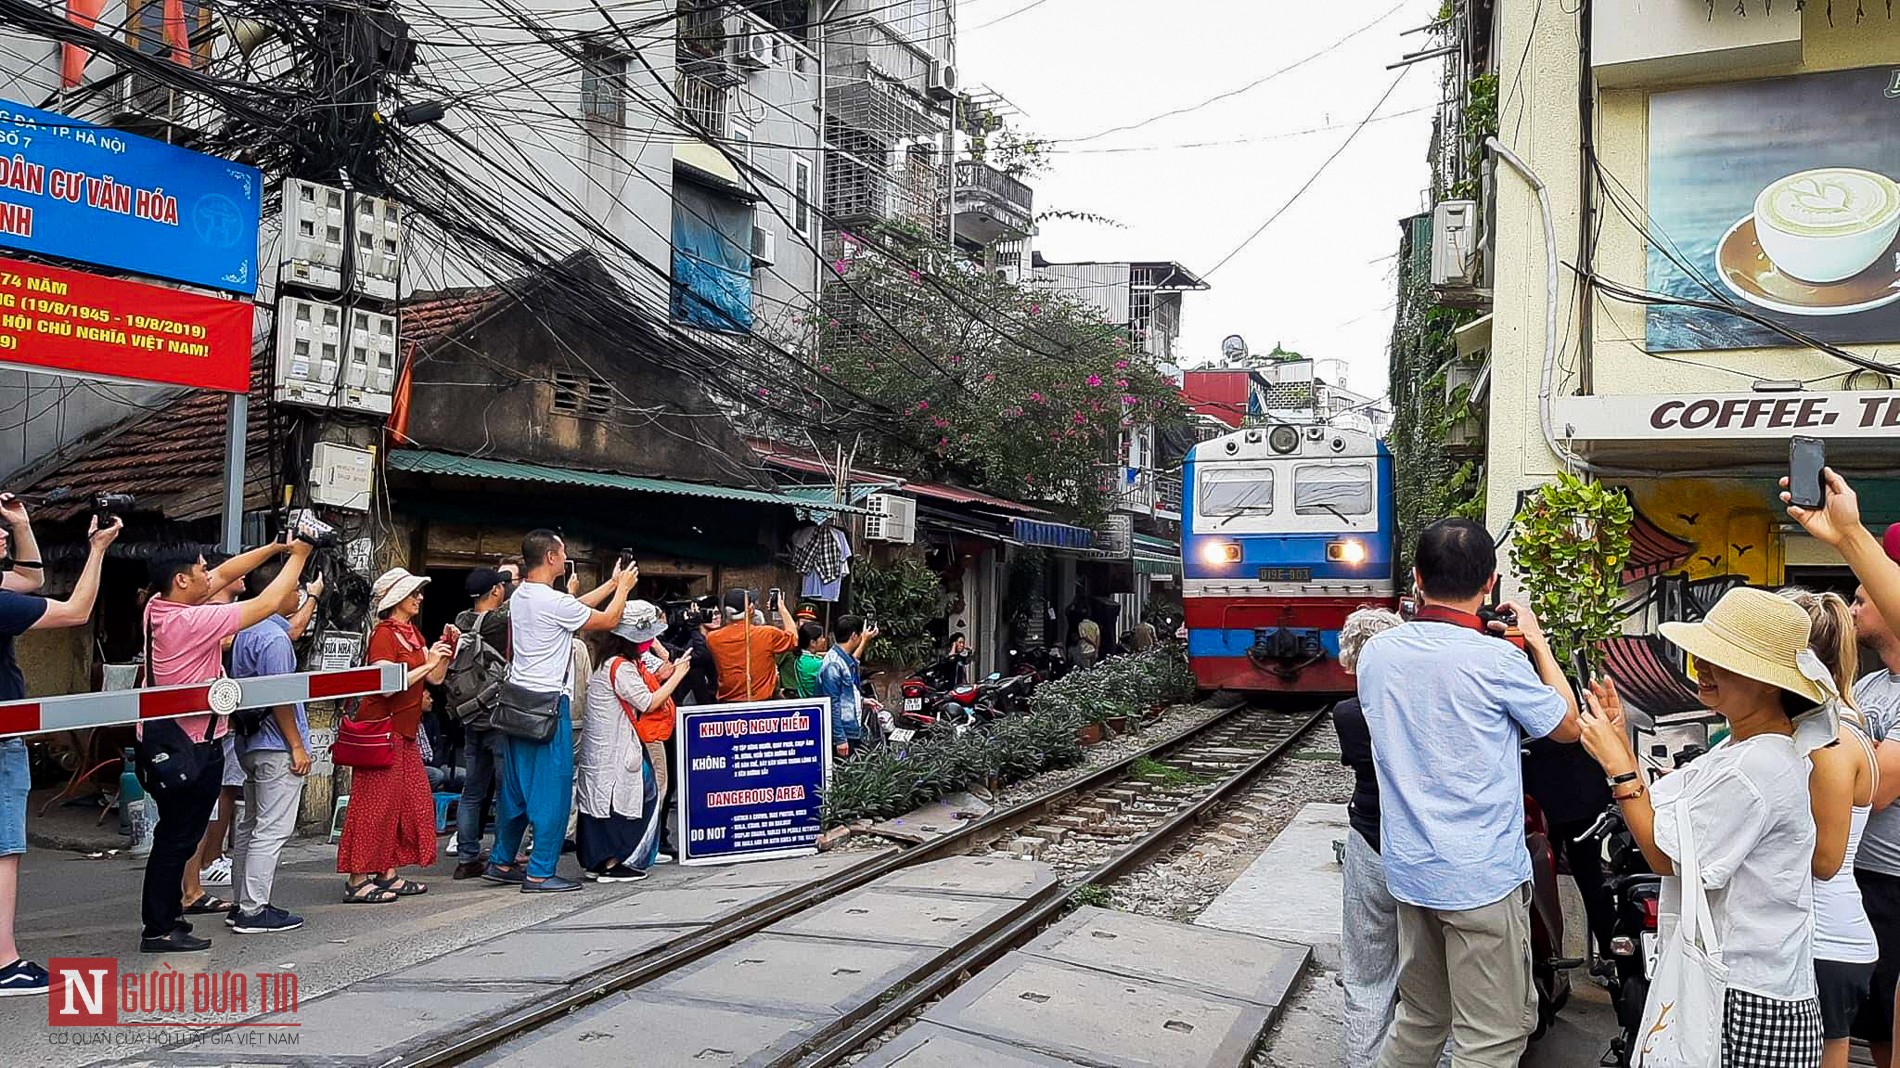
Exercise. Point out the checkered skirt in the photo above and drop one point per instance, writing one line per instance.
(1759, 1032)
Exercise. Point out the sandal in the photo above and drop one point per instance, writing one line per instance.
(402, 887)
(367, 892)
(208, 905)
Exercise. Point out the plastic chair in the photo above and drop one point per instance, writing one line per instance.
(444, 805)
(336, 817)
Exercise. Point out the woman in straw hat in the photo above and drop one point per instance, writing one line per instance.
(1748, 813)
(390, 823)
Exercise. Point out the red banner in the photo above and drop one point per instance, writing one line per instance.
(57, 320)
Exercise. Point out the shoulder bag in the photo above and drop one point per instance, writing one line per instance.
(363, 743)
(169, 758)
(528, 714)
(1682, 1020)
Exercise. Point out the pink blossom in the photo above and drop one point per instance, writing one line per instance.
(839, 266)
(923, 406)
(1035, 309)
(762, 391)
(1128, 398)
(1036, 395)
(991, 377)
(1095, 380)
(1080, 418)
(824, 368)
(1121, 383)
(916, 277)
(1121, 365)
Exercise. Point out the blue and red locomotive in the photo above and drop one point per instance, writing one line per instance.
(1285, 531)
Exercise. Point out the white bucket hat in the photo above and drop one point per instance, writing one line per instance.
(394, 586)
(640, 621)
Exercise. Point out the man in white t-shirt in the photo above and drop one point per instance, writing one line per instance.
(537, 780)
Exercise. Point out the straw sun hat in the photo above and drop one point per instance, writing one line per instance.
(1761, 636)
(394, 586)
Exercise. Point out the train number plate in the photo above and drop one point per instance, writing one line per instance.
(1286, 574)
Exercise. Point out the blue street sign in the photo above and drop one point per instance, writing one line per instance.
(102, 196)
(751, 778)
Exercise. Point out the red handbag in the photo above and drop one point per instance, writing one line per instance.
(363, 743)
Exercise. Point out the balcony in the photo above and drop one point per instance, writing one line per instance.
(1145, 491)
(990, 206)
(703, 102)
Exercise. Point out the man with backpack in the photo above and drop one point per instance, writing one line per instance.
(475, 677)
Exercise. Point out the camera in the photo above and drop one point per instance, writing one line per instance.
(1498, 615)
(105, 506)
(306, 527)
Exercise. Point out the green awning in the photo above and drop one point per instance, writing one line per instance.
(426, 462)
(1149, 564)
(1153, 546)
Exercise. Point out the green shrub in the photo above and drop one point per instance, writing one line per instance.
(892, 780)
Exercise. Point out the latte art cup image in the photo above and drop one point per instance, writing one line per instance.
(1827, 224)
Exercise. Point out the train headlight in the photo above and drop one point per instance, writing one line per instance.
(1351, 551)
(1283, 439)
(1218, 553)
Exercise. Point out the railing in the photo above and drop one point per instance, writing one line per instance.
(703, 103)
(981, 177)
(1148, 492)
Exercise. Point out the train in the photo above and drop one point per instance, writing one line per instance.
(1285, 530)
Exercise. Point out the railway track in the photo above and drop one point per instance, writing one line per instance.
(1091, 831)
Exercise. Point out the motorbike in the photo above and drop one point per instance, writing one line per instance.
(1550, 972)
(961, 708)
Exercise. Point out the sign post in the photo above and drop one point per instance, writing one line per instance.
(752, 777)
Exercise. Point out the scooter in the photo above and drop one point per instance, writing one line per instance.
(1550, 972)
(1636, 897)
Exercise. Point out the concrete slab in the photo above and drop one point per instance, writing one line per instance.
(784, 872)
(1100, 1018)
(926, 1045)
(933, 820)
(805, 976)
(371, 1023)
(667, 907)
(981, 875)
(543, 955)
(1253, 969)
(642, 1028)
(1292, 891)
(902, 917)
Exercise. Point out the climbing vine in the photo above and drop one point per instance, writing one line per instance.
(1571, 540)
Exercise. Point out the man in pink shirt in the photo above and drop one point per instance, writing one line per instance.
(185, 643)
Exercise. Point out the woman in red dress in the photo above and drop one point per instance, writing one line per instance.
(390, 823)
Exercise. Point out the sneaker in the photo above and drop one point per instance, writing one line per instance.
(216, 873)
(269, 920)
(620, 873)
(176, 942)
(515, 875)
(665, 858)
(553, 884)
(23, 978)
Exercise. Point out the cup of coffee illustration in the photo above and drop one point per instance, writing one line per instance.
(1827, 224)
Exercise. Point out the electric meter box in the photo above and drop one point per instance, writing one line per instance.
(323, 364)
(317, 226)
(342, 477)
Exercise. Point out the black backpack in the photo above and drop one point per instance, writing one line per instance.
(475, 674)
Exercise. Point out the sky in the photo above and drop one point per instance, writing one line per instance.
(1321, 278)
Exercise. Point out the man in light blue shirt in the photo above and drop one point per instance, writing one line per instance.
(1448, 703)
(276, 757)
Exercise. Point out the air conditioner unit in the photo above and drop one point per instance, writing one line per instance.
(756, 48)
(1455, 243)
(139, 98)
(1117, 536)
(942, 83)
(891, 518)
(764, 247)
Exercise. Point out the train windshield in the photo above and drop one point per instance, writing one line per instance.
(1234, 491)
(1332, 489)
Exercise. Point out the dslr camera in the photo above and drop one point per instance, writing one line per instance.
(306, 527)
(106, 506)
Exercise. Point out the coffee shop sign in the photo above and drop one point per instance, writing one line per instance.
(1729, 415)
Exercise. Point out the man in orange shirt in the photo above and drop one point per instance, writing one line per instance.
(746, 653)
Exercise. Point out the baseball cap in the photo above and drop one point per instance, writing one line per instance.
(483, 579)
(1891, 543)
(736, 599)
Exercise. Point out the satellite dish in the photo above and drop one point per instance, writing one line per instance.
(1234, 347)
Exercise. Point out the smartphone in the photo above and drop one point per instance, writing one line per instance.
(1806, 458)
(570, 571)
(772, 597)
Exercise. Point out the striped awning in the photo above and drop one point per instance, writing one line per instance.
(1052, 535)
(1647, 676)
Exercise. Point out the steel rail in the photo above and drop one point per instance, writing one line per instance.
(1020, 930)
(628, 974)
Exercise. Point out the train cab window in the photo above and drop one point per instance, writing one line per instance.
(1332, 489)
(1231, 491)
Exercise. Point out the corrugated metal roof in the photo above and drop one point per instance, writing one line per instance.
(426, 462)
(1148, 543)
(806, 464)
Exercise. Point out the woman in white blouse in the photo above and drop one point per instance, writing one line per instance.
(618, 791)
(1753, 830)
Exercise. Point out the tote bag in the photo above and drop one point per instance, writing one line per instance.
(1682, 1020)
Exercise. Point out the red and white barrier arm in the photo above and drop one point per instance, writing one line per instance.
(223, 696)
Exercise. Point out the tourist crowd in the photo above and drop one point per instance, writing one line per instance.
(1787, 823)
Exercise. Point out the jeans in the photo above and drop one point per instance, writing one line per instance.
(16, 780)
(183, 814)
(537, 786)
(271, 796)
(1467, 971)
(483, 752)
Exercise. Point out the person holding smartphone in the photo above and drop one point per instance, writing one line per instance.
(745, 653)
